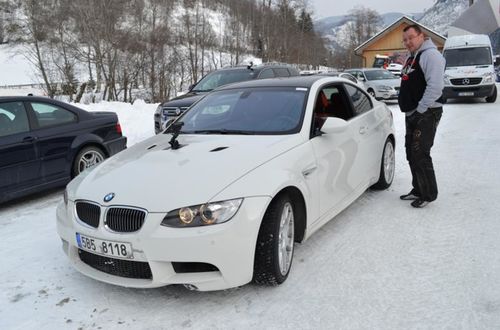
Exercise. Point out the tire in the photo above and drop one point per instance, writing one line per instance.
(275, 243)
(86, 158)
(493, 97)
(387, 167)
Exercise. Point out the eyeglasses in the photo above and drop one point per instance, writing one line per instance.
(406, 40)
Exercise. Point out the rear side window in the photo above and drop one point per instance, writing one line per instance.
(266, 73)
(52, 115)
(281, 72)
(360, 101)
(13, 118)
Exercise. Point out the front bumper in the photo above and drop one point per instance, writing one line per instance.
(116, 145)
(451, 92)
(387, 95)
(230, 247)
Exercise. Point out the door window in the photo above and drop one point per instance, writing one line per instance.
(360, 101)
(13, 118)
(267, 73)
(52, 115)
(281, 72)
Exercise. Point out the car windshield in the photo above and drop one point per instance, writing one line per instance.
(379, 75)
(468, 56)
(222, 77)
(277, 110)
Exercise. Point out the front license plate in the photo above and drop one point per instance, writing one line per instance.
(466, 94)
(107, 248)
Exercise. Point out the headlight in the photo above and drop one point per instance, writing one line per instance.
(447, 80)
(384, 88)
(202, 215)
(488, 77)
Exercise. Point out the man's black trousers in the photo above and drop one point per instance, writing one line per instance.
(420, 133)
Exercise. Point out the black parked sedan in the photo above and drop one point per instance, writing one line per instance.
(44, 143)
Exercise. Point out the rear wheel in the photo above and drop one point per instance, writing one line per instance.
(492, 98)
(387, 167)
(275, 243)
(87, 158)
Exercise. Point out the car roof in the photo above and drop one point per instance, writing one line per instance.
(44, 99)
(258, 67)
(365, 69)
(25, 98)
(297, 81)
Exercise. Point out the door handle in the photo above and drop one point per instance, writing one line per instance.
(363, 129)
(29, 139)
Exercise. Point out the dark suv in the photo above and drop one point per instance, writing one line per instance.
(169, 110)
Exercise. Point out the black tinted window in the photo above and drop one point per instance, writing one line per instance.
(360, 101)
(266, 73)
(13, 118)
(247, 111)
(282, 72)
(51, 115)
(222, 77)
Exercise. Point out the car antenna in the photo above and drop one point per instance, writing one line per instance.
(176, 128)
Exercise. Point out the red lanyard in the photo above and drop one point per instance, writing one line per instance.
(407, 68)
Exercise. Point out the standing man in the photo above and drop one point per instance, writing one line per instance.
(420, 99)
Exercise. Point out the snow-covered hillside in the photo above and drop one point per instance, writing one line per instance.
(438, 18)
(444, 12)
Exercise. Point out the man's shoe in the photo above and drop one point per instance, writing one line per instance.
(419, 203)
(409, 197)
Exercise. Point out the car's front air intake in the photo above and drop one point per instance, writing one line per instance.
(124, 220)
(118, 267)
(88, 213)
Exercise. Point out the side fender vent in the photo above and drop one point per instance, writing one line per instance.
(218, 149)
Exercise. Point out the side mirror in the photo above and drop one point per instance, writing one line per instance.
(190, 87)
(334, 125)
(361, 78)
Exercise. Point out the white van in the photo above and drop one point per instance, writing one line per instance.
(469, 69)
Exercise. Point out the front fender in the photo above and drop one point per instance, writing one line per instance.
(277, 174)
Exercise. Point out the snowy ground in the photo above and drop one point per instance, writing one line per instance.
(379, 265)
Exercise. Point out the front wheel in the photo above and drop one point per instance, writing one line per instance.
(387, 166)
(275, 243)
(493, 97)
(87, 158)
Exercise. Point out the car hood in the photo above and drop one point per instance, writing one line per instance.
(185, 100)
(468, 71)
(151, 175)
(386, 82)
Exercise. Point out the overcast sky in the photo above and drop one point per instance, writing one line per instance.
(325, 8)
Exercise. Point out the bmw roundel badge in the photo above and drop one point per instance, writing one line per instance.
(109, 197)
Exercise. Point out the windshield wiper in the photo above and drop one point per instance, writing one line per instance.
(201, 90)
(223, 131)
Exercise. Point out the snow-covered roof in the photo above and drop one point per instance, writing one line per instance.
(391, 27)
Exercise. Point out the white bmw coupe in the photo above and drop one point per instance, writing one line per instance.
(220, 198)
